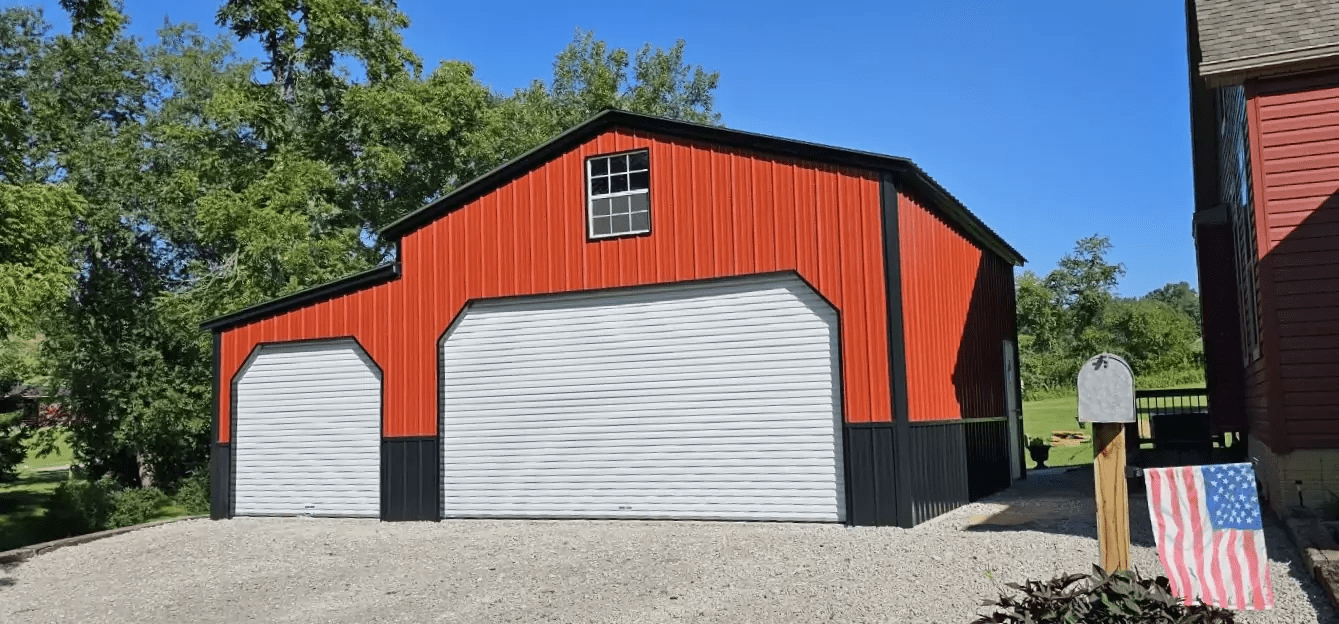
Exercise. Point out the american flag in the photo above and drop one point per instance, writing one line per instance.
(1210, 540)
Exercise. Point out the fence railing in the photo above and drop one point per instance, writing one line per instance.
(1172, 419)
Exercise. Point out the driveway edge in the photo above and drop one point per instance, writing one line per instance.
(1320, 553)
(27, 552)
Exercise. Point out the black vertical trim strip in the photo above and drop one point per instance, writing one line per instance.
(219, 476)
(885, 476)
(897, 354)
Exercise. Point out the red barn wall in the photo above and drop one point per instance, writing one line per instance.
(958, 308)
(1294, 125)
(715, 213)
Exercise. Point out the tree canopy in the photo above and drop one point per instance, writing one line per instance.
(148, 185)
(1074, 313)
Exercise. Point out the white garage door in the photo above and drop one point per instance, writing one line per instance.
(708, 400)
(308, 432)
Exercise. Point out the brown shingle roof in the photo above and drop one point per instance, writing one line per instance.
(1238, 36)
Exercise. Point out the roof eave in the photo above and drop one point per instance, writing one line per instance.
(1234, 71)
(329, 290)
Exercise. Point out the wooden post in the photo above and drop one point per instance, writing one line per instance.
(1113, 500)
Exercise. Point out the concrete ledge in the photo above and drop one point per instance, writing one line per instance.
(27, 552)
(1320, 553)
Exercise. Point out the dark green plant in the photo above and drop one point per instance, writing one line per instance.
(1120, 598)
(135, 506)
(1037, 443)
(13, 449)
(193, 493)
(79, 507)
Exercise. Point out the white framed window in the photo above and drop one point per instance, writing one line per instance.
(618, 195)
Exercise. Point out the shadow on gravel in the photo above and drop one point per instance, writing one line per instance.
(1060, 501)
(8, 568)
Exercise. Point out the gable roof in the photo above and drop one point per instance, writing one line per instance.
(1242, 38)
(904, 172)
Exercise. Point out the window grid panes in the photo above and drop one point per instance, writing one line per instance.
(1235, 180)
(619, 191)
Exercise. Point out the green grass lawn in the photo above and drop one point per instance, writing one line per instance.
(23, 503)
(1040, 418)
(60, 458)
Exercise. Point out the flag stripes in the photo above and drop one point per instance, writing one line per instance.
(1209, 536)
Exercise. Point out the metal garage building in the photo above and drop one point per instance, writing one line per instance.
(642, 318)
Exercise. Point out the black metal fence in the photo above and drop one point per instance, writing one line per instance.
(1172, 420)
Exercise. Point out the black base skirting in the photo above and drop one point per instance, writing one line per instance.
(952, 462)
(988, 469)
(871, 489)
(220, 481)
(955, 462)
(411, 483)
(938, 469)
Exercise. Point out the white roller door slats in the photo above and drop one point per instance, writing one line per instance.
(308, 432)
(708, 400)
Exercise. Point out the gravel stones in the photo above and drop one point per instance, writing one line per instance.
(326, 570)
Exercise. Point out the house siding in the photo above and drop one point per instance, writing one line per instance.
(958, 308)
(1295, 141)
(715, 213)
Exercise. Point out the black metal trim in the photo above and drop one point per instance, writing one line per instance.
(956, 421)
(871, 479)
(232, 405)
(585, 192)
(342, 286)
(411, 480)
(904, 169)
(219, 484)
(897, 348)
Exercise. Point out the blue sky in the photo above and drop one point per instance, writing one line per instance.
(1050, 120)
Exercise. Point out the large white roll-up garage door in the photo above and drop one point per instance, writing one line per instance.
(308, 431)
(707, 400)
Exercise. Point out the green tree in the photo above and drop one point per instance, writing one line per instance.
(1181, 297)
(207, 185)
(303, 39)
(589, 77)
(35, 270)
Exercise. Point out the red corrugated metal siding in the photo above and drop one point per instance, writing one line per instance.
(1295, 135)
(715, 213)
(958, 308)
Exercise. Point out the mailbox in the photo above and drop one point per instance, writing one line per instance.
(1106, 390)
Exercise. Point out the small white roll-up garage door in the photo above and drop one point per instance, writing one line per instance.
(713, 400)
(308, 431)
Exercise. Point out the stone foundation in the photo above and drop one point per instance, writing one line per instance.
(1317, 469)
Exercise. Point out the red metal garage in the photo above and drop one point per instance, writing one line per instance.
(641, 318)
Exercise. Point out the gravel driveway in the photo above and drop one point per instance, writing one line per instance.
(321, 570)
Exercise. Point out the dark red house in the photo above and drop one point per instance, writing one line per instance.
(1264, 86)
(641, 318)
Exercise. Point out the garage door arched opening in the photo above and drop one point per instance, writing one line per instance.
(307, 431)
(706, 400)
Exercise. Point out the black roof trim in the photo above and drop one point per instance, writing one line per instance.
(342, 286)
(904, 170)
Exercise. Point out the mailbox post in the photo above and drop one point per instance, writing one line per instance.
(1106, 399)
